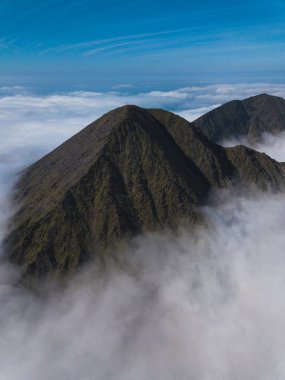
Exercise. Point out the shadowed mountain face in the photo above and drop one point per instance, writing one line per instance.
(133, 170)
(250, 117)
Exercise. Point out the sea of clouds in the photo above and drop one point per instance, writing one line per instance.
(203, 306)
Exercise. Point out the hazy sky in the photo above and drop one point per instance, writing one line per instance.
(91, 43)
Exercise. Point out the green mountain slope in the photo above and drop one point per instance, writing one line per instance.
(133, 170)
(250, 117)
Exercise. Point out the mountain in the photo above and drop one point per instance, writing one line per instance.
(132, 170)
(250, 117)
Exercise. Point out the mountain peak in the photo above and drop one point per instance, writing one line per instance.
(249, 117)
(127, 110)
(262, 95)
(130, 171)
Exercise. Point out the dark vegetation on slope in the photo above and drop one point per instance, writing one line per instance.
(132, 170)
(250, 117)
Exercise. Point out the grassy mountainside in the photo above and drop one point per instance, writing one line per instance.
(132, 170)
(250, 117)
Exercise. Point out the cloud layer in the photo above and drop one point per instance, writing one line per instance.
(31, 125)
(209, 306)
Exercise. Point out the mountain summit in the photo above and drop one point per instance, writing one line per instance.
(250, 117)
(132, 170)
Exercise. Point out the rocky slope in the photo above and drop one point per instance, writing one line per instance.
(132, 170)
(250, 117)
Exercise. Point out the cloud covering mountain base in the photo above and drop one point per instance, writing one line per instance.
(207, 305)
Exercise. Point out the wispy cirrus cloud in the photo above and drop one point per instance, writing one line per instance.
(7, 43)
(128, 44)
(194, 40)
(124, 39)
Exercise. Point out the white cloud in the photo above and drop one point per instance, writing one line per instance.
(170, 94)
(194, 113)
(272, 145)
(209, 306)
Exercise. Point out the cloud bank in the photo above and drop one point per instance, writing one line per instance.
(43, 122)
(209, 306)
(203, 306)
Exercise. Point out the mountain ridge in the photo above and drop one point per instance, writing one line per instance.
(250, 117)
(132, 170)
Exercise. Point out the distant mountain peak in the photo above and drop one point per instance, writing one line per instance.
(250, 117)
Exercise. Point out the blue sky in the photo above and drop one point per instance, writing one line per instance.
(88, 44)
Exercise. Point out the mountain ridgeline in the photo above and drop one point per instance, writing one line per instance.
(250, 117)
(132, 170)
